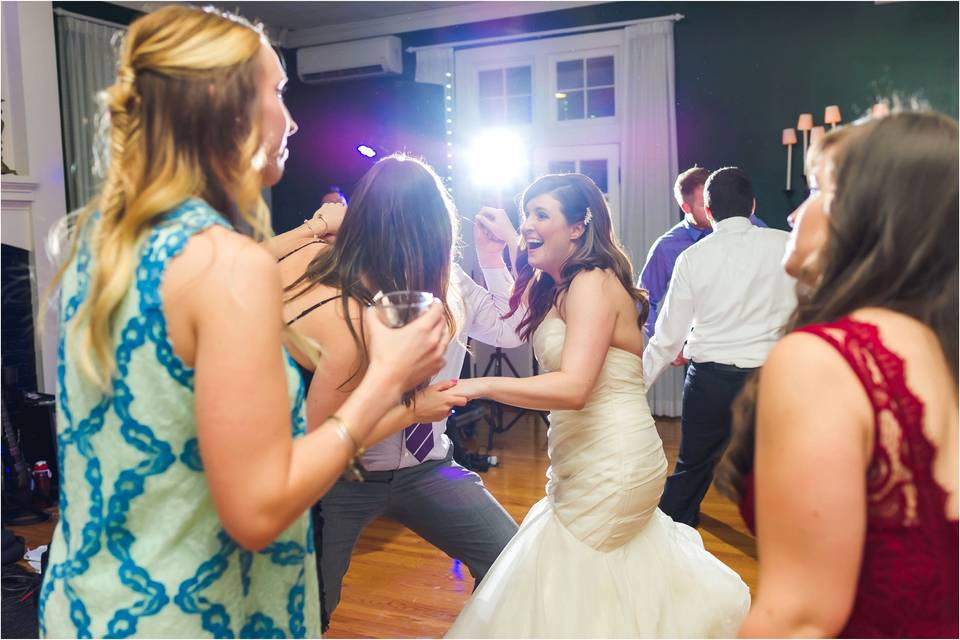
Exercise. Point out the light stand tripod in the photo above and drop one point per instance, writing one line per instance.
(495, 418)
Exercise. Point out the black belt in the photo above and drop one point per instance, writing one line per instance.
(379, 476)
(718, 366)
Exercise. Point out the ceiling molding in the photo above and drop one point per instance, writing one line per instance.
(429, 19)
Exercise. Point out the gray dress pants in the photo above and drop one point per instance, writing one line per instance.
(439, 500)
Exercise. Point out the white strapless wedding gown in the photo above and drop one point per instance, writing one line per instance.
(595, 558)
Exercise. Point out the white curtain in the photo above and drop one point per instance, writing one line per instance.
(649, 167)
(87, 61)
(433, 65)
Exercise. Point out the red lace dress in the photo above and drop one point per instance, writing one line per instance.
(908, 580)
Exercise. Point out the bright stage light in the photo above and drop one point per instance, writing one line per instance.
(497, 157)
(366, 151)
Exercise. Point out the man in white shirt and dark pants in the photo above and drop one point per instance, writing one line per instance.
(728, 300)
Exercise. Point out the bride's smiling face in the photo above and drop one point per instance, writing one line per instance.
(549, 239)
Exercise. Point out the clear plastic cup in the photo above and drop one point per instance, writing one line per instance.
(399, 308)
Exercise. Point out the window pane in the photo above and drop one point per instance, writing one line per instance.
(600, 71)
(562, 166)
(518, 81)
(519, 110)
(491, 111)
(596, 170)
(570, 105)
(491, 83)
(600, 103)
(569, 74)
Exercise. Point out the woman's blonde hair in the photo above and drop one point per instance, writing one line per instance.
(183, 122)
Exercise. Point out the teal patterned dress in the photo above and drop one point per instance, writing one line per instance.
(139, 549)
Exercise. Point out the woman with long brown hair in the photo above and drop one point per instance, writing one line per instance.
(855, 465)
(400, 233)
(595, 558)
(185, 483)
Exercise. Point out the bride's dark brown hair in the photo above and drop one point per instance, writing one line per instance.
(596, 248)
(892, 244)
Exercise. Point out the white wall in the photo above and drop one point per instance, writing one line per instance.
(35, 200)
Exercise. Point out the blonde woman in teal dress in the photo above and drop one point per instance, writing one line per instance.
(186, 473)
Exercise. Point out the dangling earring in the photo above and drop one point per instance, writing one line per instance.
(259, 159)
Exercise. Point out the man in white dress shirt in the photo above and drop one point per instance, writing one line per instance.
(728, 300)
(411, 477)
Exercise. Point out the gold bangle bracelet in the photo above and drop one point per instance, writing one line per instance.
(345, 433)
(354, 470)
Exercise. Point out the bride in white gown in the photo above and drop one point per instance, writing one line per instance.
(595, 557)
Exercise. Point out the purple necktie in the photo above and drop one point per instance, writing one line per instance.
(418, 439)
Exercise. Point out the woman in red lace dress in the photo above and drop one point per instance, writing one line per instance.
(854, 473)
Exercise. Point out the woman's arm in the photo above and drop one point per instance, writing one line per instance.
(433, 404)
(590, 321)
(492, 226)
(260, 479)
(485, 308)
(813, 442)
(324, 225)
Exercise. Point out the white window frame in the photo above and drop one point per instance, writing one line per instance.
(584, 55)
(542, 156)
(541, 55)
(545, 130)
(468, 90)
(503, 68)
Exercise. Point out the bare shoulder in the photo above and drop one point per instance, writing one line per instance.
(295, 264)
(803, 373)
(595, 281)
(220, 279)
(597, 293)
(217, 249)
(217, 265)
(601, 285)
(325, 322)
(802, 353)
(216, 254)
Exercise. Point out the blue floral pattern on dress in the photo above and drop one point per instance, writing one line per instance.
(152, 558)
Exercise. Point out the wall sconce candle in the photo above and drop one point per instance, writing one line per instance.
(789, 139)
(831, 116)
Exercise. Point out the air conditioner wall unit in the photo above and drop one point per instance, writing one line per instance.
(354, 59)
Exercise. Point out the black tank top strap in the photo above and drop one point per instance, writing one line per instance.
(306, 374)
(304, 246)
(312, 308)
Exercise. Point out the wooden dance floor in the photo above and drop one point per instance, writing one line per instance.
(398, 586)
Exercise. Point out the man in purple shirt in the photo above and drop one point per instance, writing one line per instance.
(656, 274)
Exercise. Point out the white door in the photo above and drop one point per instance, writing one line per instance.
(600, 162)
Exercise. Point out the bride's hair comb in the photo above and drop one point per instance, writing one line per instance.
(588, 217)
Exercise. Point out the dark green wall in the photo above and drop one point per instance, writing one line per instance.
(745, 70)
